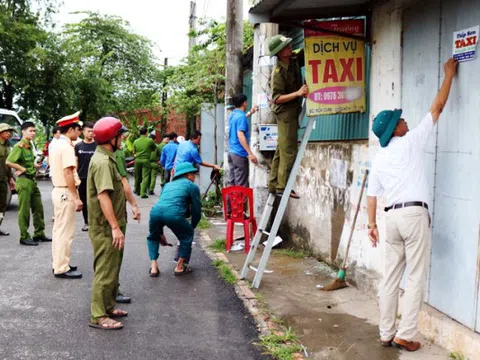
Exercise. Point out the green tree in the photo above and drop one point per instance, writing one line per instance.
(114, 68)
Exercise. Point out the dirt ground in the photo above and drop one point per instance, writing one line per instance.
(339, 325)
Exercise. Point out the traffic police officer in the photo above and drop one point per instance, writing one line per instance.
(6, 178)
(107, 222)
(154, 167)
(142, 149)
(22, 160)
(287, 92)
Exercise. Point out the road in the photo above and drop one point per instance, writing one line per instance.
(41, 317)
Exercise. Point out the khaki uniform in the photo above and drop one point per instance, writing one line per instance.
(155, 168)
(29, 196)
(104, 176)
(142, 148)
(5, 176)
(63, 204)
(286, 79)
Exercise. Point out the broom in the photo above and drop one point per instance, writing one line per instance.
(339, 282)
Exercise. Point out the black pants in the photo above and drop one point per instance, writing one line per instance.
(82, 192)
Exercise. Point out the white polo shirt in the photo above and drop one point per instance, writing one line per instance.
(398, 170)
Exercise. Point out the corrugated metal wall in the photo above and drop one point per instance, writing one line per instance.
(353, 126)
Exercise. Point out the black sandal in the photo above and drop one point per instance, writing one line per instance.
(186, 270)
(157, 274)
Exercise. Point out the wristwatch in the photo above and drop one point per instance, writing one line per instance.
(372, 226)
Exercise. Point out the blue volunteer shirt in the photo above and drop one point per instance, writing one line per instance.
(169, 152)
(237, 122)
(188, 152)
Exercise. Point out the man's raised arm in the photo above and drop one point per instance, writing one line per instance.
(450, 68)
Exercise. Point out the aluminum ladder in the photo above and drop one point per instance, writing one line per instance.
(267, 211)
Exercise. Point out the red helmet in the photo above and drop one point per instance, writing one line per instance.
(107, 128)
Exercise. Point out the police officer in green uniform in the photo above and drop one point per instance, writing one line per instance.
(107, 222)
(122, 170)
(154, 167)
(22, 160)
(287, 93)
(6, 178)
(142, 149)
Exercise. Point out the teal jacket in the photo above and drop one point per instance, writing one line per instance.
(177, 197)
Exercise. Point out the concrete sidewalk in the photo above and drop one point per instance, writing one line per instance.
(339, 325)
(196, 317)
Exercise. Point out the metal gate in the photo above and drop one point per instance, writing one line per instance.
(453, 151)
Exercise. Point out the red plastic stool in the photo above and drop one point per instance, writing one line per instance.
(236, 197)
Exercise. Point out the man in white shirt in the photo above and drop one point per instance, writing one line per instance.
(398, 173)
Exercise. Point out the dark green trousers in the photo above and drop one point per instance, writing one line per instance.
(142, 176)
(29, 198)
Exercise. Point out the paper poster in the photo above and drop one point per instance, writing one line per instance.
(335, 68)
(465, 44)
(268, 137)
(262, 101)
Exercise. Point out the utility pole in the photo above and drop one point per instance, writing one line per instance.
(262, 70)
(192, 25)
(233, 68)
(192, 22)
(164, 100)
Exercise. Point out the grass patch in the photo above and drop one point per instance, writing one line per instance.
(224, 271)
(296, 254)
(218, 245)
(456, 356)
(281, 346)
(204, 224)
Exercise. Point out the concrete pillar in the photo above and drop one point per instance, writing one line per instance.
(262, 69)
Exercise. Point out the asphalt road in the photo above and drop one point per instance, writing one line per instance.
(41, 317)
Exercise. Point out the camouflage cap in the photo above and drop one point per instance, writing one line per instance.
(6, 127)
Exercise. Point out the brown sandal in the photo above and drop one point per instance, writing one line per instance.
(106, 323)
(117, 313)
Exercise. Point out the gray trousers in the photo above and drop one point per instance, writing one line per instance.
(238, 170)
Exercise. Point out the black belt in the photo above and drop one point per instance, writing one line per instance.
(407, 204)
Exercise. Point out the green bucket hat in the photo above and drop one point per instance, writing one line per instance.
(184, 168)
(384, 125)
(277, 44)
(6, 127)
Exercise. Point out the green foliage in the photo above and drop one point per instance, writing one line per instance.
(224, 271)
(204, 224)
(456, 356)
(281, 346)
(218, 245)
(293, 253)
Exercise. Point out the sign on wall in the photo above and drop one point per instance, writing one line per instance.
(268, 134)
(335, 68)
(465, 44)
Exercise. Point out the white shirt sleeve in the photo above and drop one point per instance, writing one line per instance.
(374, 186)
(419, 135)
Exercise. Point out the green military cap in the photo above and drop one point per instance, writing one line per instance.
(278, 43)
(184, 168)
(6, 127)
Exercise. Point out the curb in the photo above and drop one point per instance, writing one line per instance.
(242, 289)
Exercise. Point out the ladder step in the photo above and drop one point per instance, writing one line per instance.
(265, 271)
(265, 232)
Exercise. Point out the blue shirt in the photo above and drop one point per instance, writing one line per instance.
(237, 122)
(188, 152)
(176, 197)
(169, 152)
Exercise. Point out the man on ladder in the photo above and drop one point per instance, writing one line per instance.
(287, 94)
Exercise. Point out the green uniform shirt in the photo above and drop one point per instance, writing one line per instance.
(286, 79)
(104, 176)
(155, 155)
(143, 147)
(22, 154)
(5, 171)
(121, 163)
